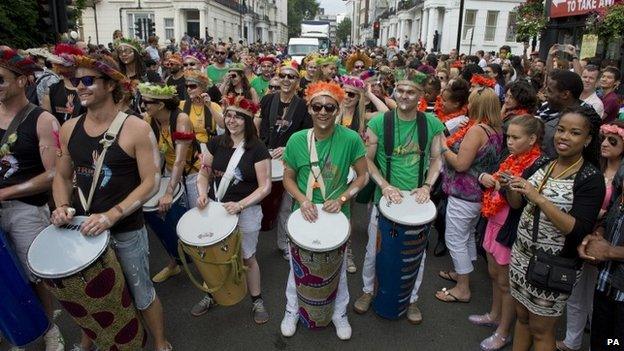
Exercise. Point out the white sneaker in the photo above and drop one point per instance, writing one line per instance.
(54, 340)
(343, 328)
(289, 324)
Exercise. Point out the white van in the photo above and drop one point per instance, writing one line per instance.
(298, 48)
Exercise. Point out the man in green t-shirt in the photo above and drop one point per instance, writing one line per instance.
(322, 182)
(217, 70)
(267, 69)
(404, 174)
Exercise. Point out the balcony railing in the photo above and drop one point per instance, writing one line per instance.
(407, 4)
(234, 5)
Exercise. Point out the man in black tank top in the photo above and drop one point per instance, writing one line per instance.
(129, 177)
(27, 156)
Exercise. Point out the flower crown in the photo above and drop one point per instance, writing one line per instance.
(612, 129)
(355, 57)
(107, 68)
(326, 60)
(240, 104)
(353, 82)
(483, 81)
(415, 78)
(198, 77)
(133, 43)
(290, 64)
(159, 92)
(17, 63)
(330, 89)
(174, 59)
(195, 55)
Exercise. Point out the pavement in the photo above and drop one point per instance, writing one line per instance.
(445, 325)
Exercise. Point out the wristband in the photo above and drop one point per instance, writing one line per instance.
(480, 176)
(63, 205)
(119, 209)
(427, 185)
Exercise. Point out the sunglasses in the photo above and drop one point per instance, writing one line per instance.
(219, 52)
(289, 76)
(358, 67)
(234, 115)
(441, 77)
(192, 64)
(87, 81)
(612, 140)
(2, 80)
(150, 102)
(274, 87)
(233, 76)
(191, 86)
(351, 94)
(329, 108)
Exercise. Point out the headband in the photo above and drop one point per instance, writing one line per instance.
(330, 89)
(612, 129)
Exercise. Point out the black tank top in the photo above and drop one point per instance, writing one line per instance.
(24, 161)
(119, 176)
(65, 103)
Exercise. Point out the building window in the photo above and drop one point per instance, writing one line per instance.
(132, 18)
(490, 25)
(469, 23)
(511, 27)
(169, 32)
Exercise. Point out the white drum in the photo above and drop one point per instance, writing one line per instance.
(330, 231)
(408, 212)
(277, 170)
(152, 204)
(59, 252)
(207, 226)
(352, 175)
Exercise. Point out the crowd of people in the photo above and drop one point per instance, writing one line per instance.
(520, 155)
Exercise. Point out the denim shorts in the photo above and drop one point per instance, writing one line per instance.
(132, 250)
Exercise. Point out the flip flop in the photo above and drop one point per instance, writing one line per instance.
(446, 275)
(448, 294)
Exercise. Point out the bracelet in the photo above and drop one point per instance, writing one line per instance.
(427, 185)
(119, 209)
(63, 205)
(480, 176)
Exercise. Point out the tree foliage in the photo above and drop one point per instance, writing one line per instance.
(18, 23)
(344, 30)
(299, 10)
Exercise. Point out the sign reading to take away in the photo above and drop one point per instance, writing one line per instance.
(564, 8)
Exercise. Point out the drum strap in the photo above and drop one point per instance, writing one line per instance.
(109, 139)
(229, 171)
(314, 180)
(16, 121)
(421, 124)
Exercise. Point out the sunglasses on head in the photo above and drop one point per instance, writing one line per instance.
(329, 108)
(87, 81)
(187, 64)
(191, 86)
(351, 94)
(286, 75)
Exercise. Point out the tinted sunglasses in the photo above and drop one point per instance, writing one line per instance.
(232, 76)
(219, 52)
(192, 64)
(613, 141)
(87, 81)
(329, 108)
(191, 86)
(2, 80)
(351, 94)
(285, 75)
(358, 67)
(274, 87)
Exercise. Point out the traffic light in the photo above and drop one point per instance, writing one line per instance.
(138, 29)
(151, 28)
(376, 30)
(47, 16)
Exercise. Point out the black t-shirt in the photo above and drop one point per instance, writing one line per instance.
(284, 127)
(65, 103)
(244, 182)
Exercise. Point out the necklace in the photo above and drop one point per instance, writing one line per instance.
(196, 111)
(325, 159)
(567, 169)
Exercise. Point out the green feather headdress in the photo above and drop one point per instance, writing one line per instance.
(158, 92)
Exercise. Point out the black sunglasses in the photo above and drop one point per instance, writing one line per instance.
(358, 67)
(191, 86)
(219, 52)
(274, 87)
(329, 108)
(289, 76)
(87, 81)
(234, 75)
(149, 102)
(189, 64)
(2, 80)
(351, 94)
(611, 139)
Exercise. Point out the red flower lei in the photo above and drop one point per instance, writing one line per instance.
(445, 117)
(493, 202)
(422, 105)
(460, 134)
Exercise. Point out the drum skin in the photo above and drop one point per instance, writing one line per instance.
(22, 318)
(271, 206)
(400, 251)
(221, 267)
(317, 275)
(99, 301)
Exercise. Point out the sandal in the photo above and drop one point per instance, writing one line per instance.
(484, 320)
(449, 297)
(495, 342)
(446, 275)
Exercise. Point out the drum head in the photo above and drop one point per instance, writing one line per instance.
(59, 252)
(152, 204)
(352, 175)
(277, 170)
(408, 212)
(206, 227)
(329, 232)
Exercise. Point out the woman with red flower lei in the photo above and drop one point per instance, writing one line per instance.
(451, 107)
(524, 136)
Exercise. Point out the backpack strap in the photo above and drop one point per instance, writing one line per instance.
(388, 124)
(421, 121)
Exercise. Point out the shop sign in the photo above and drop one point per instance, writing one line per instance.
(565, 8)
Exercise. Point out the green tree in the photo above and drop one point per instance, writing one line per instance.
(299, 10)
(344, 30)
(18, 20)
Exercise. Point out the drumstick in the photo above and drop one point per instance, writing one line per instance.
(71, 211)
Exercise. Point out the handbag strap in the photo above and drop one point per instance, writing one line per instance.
(107, 141)
(536, 211)
(16, 121)
(229, 171)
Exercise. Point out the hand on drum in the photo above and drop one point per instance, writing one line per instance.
(393, 194)
(202, 201)
(96, 224)
(421, 194)
(332, 206)
(277, 153)
(232, 207)
(164, 204)
(62, 215)
(309, 212)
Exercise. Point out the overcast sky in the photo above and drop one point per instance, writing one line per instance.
(333, 7)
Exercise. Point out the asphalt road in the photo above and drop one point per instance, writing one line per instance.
(445, 326)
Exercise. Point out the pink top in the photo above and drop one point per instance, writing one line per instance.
(607, 198)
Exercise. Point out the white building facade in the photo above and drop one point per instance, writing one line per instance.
(250, 20)
(487, 24)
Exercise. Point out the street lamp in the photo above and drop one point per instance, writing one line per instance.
(459, 26)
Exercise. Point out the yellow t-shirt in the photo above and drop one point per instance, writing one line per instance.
(196, 114)
(167, 150)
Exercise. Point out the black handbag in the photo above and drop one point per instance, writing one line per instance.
(550, 272)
